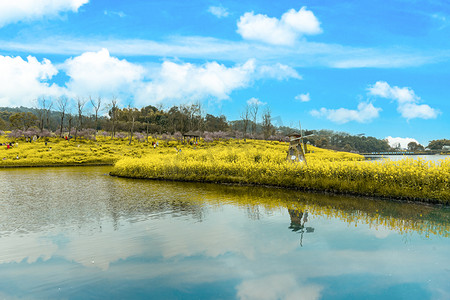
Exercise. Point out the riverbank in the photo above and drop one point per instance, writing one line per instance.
(245, 163)
(253, 164)
(58, 152)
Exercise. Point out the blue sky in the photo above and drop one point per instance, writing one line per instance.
(353, 66)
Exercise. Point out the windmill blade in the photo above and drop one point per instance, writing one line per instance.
(301, 132)
(301, 138)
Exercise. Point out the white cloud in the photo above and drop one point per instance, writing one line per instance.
(303, 97)
(278, 71)
(14, 11)
(22, 81)
(284, 286)
(98, 73)
(365, 113)
(395, 142)
(284, 31)
(305, 54)
(119, 14)
(218, 11)
(255, 101)
(174, 81)
(407, 101)
(303, 21)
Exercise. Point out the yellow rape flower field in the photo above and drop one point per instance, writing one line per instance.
(243, 162)
(264, 163)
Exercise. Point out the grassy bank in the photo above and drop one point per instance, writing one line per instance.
(60, 152)
(263, 163)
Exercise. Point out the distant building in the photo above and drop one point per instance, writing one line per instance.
(446, 148)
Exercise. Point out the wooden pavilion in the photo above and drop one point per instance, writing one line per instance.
(191, 136)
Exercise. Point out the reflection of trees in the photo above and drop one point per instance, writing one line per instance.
(253, 212)
(401, 217)
(33, 199)
(134, 200)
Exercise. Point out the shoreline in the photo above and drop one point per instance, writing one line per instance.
(56, 166)
(420, 201)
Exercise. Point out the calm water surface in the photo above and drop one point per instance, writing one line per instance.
(77, 233)
(434, 158)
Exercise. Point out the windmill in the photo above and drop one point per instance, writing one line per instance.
(297, 147)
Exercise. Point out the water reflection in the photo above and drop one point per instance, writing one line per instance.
(75, 233)
(298, 220)
(435, 158)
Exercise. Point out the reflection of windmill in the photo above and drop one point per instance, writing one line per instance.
(298, 220)
(297, 147)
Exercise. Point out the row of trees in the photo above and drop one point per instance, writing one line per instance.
(88, 115)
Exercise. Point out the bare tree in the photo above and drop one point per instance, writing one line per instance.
(132, 114)
(70, 115)
(113, 115)
(195, 117)
(254, 107)
(40, 112)
(47, 114)
(62, 103)
(245, 116)
(96, 105)
(80, 107)
(43, 110)
(70, 120)
(267, 123)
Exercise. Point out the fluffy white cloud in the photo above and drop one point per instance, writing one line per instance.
(406, 99)
(255, 101)
(183, 81)
(98, 73)
(284, 31)
(218, 11)
(303, 97)
(365, 112)
(22, 81)
(398, 142)
(13, 11)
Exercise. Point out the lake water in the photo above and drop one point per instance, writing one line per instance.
(77, 233)
(434, 158)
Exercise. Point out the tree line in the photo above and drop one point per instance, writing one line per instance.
(87, 116)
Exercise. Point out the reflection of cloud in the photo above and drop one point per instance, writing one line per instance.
(100, 250)
(277, 287)
(18, 248)
(218, 238)
(227, 246)
(150, 232)
(380, 233)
